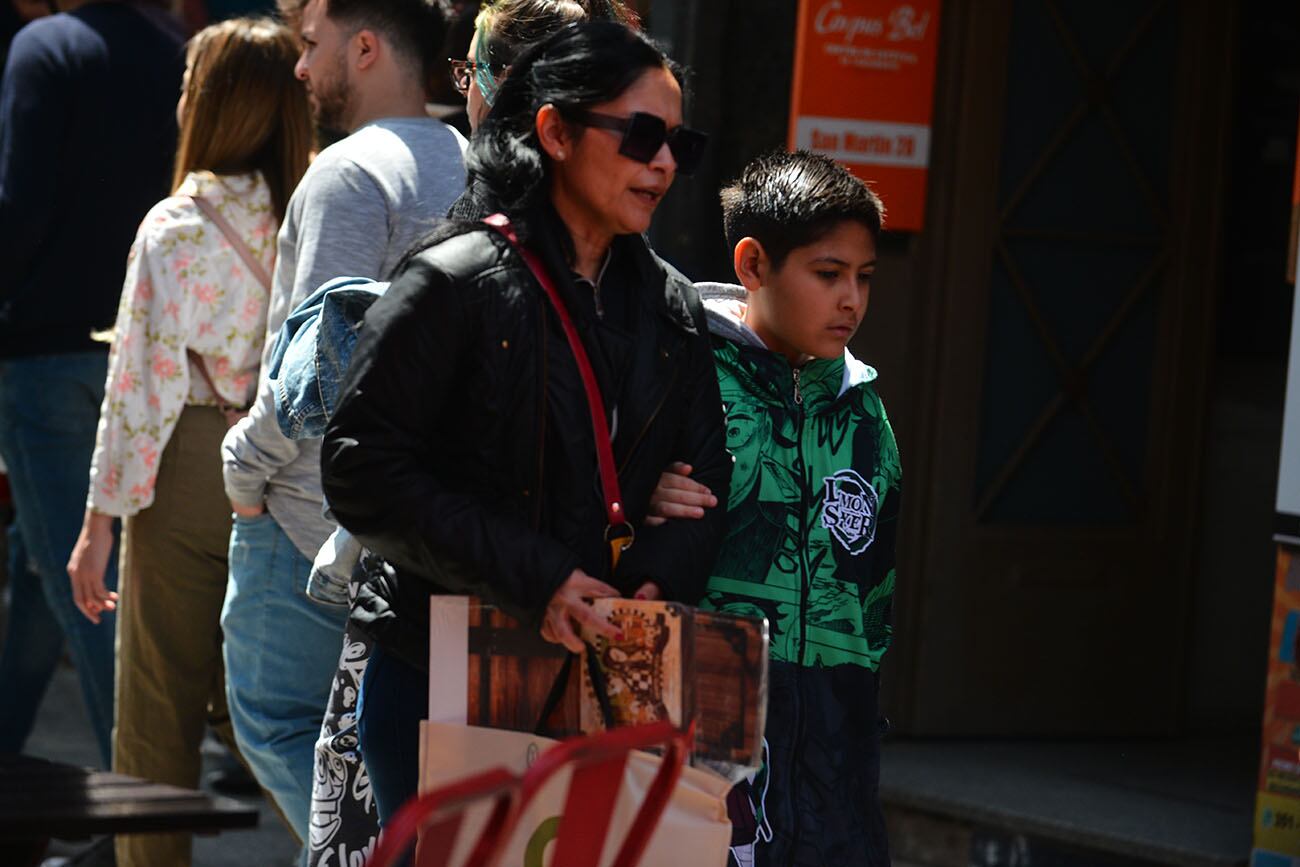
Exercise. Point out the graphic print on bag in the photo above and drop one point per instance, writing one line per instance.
(849, 510)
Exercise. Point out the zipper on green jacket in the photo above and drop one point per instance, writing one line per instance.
(796, 757)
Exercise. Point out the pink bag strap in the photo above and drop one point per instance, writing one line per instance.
(240, 246)
(222, 404)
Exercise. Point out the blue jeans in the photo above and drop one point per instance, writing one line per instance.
(49, 409)
(394, 699)
(281, 651)
(32, 647)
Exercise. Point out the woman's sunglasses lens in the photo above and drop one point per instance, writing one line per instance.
(645, 134)
(687, 146)
(643, 137)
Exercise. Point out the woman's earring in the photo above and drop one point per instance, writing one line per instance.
(559, 155)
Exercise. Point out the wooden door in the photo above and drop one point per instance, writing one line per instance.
(1064, 346)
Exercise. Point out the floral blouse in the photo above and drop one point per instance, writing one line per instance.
(186, 288)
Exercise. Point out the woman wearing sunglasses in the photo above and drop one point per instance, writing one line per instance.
(465, 452)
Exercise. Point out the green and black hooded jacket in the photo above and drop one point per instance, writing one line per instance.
(811, 525)
(813, 509)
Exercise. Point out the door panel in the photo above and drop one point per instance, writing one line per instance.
(1070, 353)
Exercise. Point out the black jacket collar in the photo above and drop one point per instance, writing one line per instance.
(665, 289)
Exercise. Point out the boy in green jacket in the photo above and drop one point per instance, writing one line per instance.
(813, 511)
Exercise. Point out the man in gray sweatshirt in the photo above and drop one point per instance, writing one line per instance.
(363, 203)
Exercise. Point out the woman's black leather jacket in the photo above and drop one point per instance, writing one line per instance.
(462, 451)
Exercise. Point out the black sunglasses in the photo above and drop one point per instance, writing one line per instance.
(644, 134)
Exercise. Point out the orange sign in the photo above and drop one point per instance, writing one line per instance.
(864, 93)
(1295, 217)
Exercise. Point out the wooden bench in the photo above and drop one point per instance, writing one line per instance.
(41, 800)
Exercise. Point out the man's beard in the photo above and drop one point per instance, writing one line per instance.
(331, 99)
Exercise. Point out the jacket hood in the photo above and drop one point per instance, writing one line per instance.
(724, 306)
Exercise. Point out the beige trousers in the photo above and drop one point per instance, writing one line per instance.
(172, 584)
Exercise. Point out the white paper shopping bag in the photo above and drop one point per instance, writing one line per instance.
(694, 828)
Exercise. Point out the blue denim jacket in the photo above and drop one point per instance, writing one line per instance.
(312, 352)
(310, 358)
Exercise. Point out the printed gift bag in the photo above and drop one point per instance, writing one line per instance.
(483, 667)
(674, 662)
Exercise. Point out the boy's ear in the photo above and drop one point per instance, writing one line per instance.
(751, 263)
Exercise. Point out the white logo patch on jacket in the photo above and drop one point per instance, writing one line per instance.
(849, 510)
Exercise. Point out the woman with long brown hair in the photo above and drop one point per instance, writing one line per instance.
(186, 349)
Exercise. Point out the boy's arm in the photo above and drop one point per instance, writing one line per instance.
(878, 607)
(678, 496)
(679, 555)
(879, 615)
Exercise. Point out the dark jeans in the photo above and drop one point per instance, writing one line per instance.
(49, 409)
(819, 791)
(394, 700)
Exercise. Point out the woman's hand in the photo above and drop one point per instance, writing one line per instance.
(569, 611)
(89, 562)
(650, 591)
(678, 496)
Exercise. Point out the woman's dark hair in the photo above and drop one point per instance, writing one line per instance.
(578, 67)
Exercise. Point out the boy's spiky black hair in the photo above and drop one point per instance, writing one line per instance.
(788, 200)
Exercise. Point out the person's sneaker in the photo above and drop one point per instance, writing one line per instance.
(226, 775)
(97, 854)
(231, 778)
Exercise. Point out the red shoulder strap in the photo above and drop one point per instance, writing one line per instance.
(619, 532)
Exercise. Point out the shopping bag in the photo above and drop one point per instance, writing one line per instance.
(694, 828)
(674, 662)
(488, 669)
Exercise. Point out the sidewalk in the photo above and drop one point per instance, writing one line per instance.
(63, 734)
(1007, 803)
